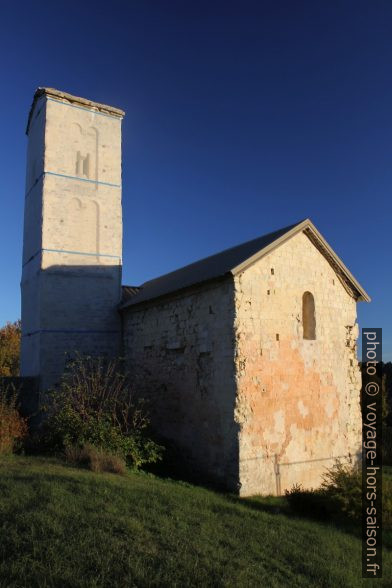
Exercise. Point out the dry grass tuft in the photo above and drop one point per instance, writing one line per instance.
(95, 459)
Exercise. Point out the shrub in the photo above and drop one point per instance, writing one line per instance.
(95, 459)
(308, 502)
(342, 486)
(95, 405)
(13, 428)
(340, 496)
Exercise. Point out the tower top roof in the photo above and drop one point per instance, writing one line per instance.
(73, 100)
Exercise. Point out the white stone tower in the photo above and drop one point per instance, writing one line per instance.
(71, 277)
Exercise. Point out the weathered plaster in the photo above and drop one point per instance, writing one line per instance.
(298, 400)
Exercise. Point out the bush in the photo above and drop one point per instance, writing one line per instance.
(13, 428)
(340, 496)
(95, 405)
(308, 502)
(95, 459)
(342, 486)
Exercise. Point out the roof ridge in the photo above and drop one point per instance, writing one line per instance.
(238, 258)
(227, 250)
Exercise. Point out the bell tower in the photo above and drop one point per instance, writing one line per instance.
(72, 245)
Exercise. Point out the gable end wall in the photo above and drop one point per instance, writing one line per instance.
(298, 400)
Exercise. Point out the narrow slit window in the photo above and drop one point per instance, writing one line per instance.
(308, 316)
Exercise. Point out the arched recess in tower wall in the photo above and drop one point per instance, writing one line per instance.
(82, 232)
(85, 147)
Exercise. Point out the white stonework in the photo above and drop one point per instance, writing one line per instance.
(181, 353)
(248, 357)
(297, 400)
(237, 387)
(71, 279)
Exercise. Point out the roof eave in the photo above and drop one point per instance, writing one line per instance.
(179, 292)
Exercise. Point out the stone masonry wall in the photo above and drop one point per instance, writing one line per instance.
(71, 279)
(298, 400)
(181, 354)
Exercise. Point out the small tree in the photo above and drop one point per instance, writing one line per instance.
(10, 336)
(13, 428)
(96, 405)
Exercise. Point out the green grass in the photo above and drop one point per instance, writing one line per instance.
(62, 526)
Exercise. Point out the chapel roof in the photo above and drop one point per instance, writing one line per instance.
(236, 259)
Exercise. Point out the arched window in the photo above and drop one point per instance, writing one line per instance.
(308, 316)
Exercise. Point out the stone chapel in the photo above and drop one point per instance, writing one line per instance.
(248, 355)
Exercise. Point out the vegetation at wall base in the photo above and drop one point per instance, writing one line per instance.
(62, 525)
(340, 498)
(95, 459)
(95, 405)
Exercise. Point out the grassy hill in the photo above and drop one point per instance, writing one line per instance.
(61, 526)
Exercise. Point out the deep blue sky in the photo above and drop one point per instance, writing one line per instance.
(242, 117)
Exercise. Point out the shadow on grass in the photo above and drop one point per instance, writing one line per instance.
(272, 505)
(177, 468)
(278, 505)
